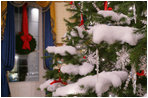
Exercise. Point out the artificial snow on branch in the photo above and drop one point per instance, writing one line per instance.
(114, 16)
(105, 80)
(111, 34)
(83, 69)
(61, 50)
(79, 33)
(49, 87)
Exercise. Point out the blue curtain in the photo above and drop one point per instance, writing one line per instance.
(7, 50)
(48, 38)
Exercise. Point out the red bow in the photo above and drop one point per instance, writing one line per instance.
(26, 38)
(141, 74)
(59, 80)
(105, 6)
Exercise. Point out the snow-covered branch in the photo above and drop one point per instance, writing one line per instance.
(111, 34)
(83, 69)
(105, 80)
(61, 50)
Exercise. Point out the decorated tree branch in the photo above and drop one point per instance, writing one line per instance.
(104, 53)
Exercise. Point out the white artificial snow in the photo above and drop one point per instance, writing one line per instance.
(122, 74)
(112, 77)
(145, 95)
(46, 84)
(69, 89)
(104, 82)
(53, 87)
(88, 81)
(79, 33)
(107, 79)
(103, 87)
(115, 16)
(110, 34)
(70, 69)
(83, 69)
(49, 87)
(61, 50)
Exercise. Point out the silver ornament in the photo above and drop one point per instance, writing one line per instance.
(93, 58)
(134, 13)
(97, 63)
(132, 75)
(95, 6)
(143, 62)
(122, 59)
(128, 80)
(78, 46)
(83, 51)
(134, 79)
(140, 91)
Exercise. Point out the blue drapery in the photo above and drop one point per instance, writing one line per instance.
(7, 50)
(48, 38)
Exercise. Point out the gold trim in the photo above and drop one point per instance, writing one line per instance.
(59, 44)
(3, 17)
(53, 20)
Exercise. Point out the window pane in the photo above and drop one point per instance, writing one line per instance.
(27, 66)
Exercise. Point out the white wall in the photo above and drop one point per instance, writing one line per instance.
(61, 13)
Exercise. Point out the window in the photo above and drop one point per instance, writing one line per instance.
(27, 66)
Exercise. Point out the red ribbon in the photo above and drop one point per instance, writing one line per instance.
(106, 6)
(59, 80)
(82, 20)
(26, 38)
(141, 74)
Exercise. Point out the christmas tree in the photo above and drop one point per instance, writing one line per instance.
(104, 52)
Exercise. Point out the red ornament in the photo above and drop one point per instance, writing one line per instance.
(141, 74)
(106, 6)
(84, 57)
(26, 38)
(71, 2)
(109, 8)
